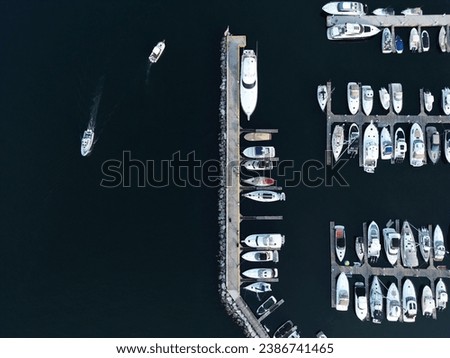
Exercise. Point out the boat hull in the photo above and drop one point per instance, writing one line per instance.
(370, 148)
(376, 301)
(393, 305)
(417, 156)
(408, 250)
(322, 96)
(367, 99)
(353, 97)
(249, 82)
(386, 144)
(264, 241)
(409, 302)
(337, 141)
(351, 31)
(342, 292)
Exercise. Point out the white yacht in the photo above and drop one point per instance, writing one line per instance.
(257, 136)
(425, 41)
(441, 295)
(344, 8)
(408, 248)
(433, 144)
(351, 31)
(385, 98)
(370, 148)
(367, 99)
(376, 301)
(257, 164)
(261, 273)
(265, 196)
(353, 97)
(266, 305)
(337, 141)
(359, 247)
(361, 306)
(384, 11)
(428, 303)
(391, 245)
(414, 40)
(340, 241)
(87, 142)
(400, 146)
(259, 181)
(447, 145)
(446, 101)
(417, 156)
(428, 100)
(438, 244)
(412, 11)
(259, 152)
(353, 140)
(373, 242)
(261, 256)
(322, 96)
(387, 43)
(387, 150)
(258, 287)
(265, 241)
(157, 51)
(249, 82)
(393, 305)
(397, 97)
(409, 301)
(443, 39)
(424, 243)
(342, 292)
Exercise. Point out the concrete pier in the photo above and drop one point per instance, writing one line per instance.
(392, 20)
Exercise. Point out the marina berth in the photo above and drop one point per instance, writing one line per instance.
(424, 243)
(376, 301)
(393, 305)
(438, 244)
(157, 51)
(433, 144)
(322, 96)
(408, 248)
(337, 141)
(441, 295)
(345, 8)
(417, 156)
(265, 241)
(259, 152)
(342, 293)
(351, 31)
(249, 82)
(400, 146)
(261, 273)
(427, 301)
(361, 306)
(409, 302)
(367, 99)
(265, 196)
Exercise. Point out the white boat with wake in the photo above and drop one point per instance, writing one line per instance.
(385, 98)
(266, 305)
(265, 196)
(337, 141)
(361, 305)
(441, 295)
(258, 287)
(353, 140)
(408, 250)
(393, 305)
(367, 99)
(446, 101)
(261, 256)
(257, 164)
(353, 97)
(340, 241)
(387, 43)
(345, 8)
(391, 244)
(261, 273)
(400, 146)
(370, 148)
(397, 97)
(322, 96)
(424, 243)
(438, 244)
(265, 241)
(428, 100)
(387, 149)
(351, 31)
(427, 301)
(409, 301)
(414, 40)
(157, 51)
(417, 157)
(373, 242)
(87, 142)
(447, 145)
(376, 301)
(342, 292)
(259, 152)
(249, 82)
(433, 144)
(259, 181)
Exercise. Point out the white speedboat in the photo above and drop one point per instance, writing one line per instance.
(157, 51)
(408, 248)
(266, 305)
(353, 140)
(417, 156)
(265, 241)
(414, 40)
(249, 82)
(391, 244)
(397, 97)
(261, 256)
(441, 295)
(446, 100)
(259, 181)
(258, 287)
(359, 247)
(424, 243)
(344, 8)
(342, 292)
(384, 11)
(87, 142)
(351, 31)
(361, 306)
(259, 152)
(433, 144)
(400, 146)
(443, 39)
(337, 141)
(428, 100)
(257, 164)
(409, 301)
(322, 96)
(428, 303)
(340, 241)
(447, 145)
(385, 98)
(370, 148)
(265, 196)
(376, 301)
(373, 242)
(353, 97)
(425, 40)
(412, 11)
(387, 149)
(257, 136)
(367, 99)
(438, 244)
(261, 273)
(387, 43)
(393, 305)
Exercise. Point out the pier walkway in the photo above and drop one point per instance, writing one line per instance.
(392, 20)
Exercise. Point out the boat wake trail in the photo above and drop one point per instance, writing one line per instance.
(147, 75)
(95, 104)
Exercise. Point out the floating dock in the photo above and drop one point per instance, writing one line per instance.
(432, 273)
(392, 20)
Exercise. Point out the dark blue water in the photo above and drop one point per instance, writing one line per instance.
(81, 260)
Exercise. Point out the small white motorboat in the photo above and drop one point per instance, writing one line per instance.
(261, 273)
(266, 305)
(441, 295)
(258, 287)
(322, 96)
(265, 196)
(408, 250)
(428, 100)
(443, 39)
(412, 11)
(265, 241)
(387, 43)
(438, 244)
(371, 141)
(400, 146)
(337, 141)
(385, 98)
(340, 241)
(397, 97)
(384, 11)
(249, 82)
(359, 247)
(417, 156)
(367, 99)
(258, 164)
(393, 306)
(373, 242)
(409, 301)
(259, 152)
(261, 256)
(414, 40)
(87, 142)
(257, 136)
(342, 292)
(433, 144)
(391, 245)
(361, 305)
(259, 181)
(428, 303)
(446, 101)
(157, 51)
(353, 97)
(387, 149)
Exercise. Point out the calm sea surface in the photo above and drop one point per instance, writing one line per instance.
(81, 260)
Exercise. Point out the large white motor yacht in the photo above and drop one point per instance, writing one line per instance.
(87, 142)
(417, 157)
(249, 82)
(370, 148)
(351, 31)
(342, 292)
